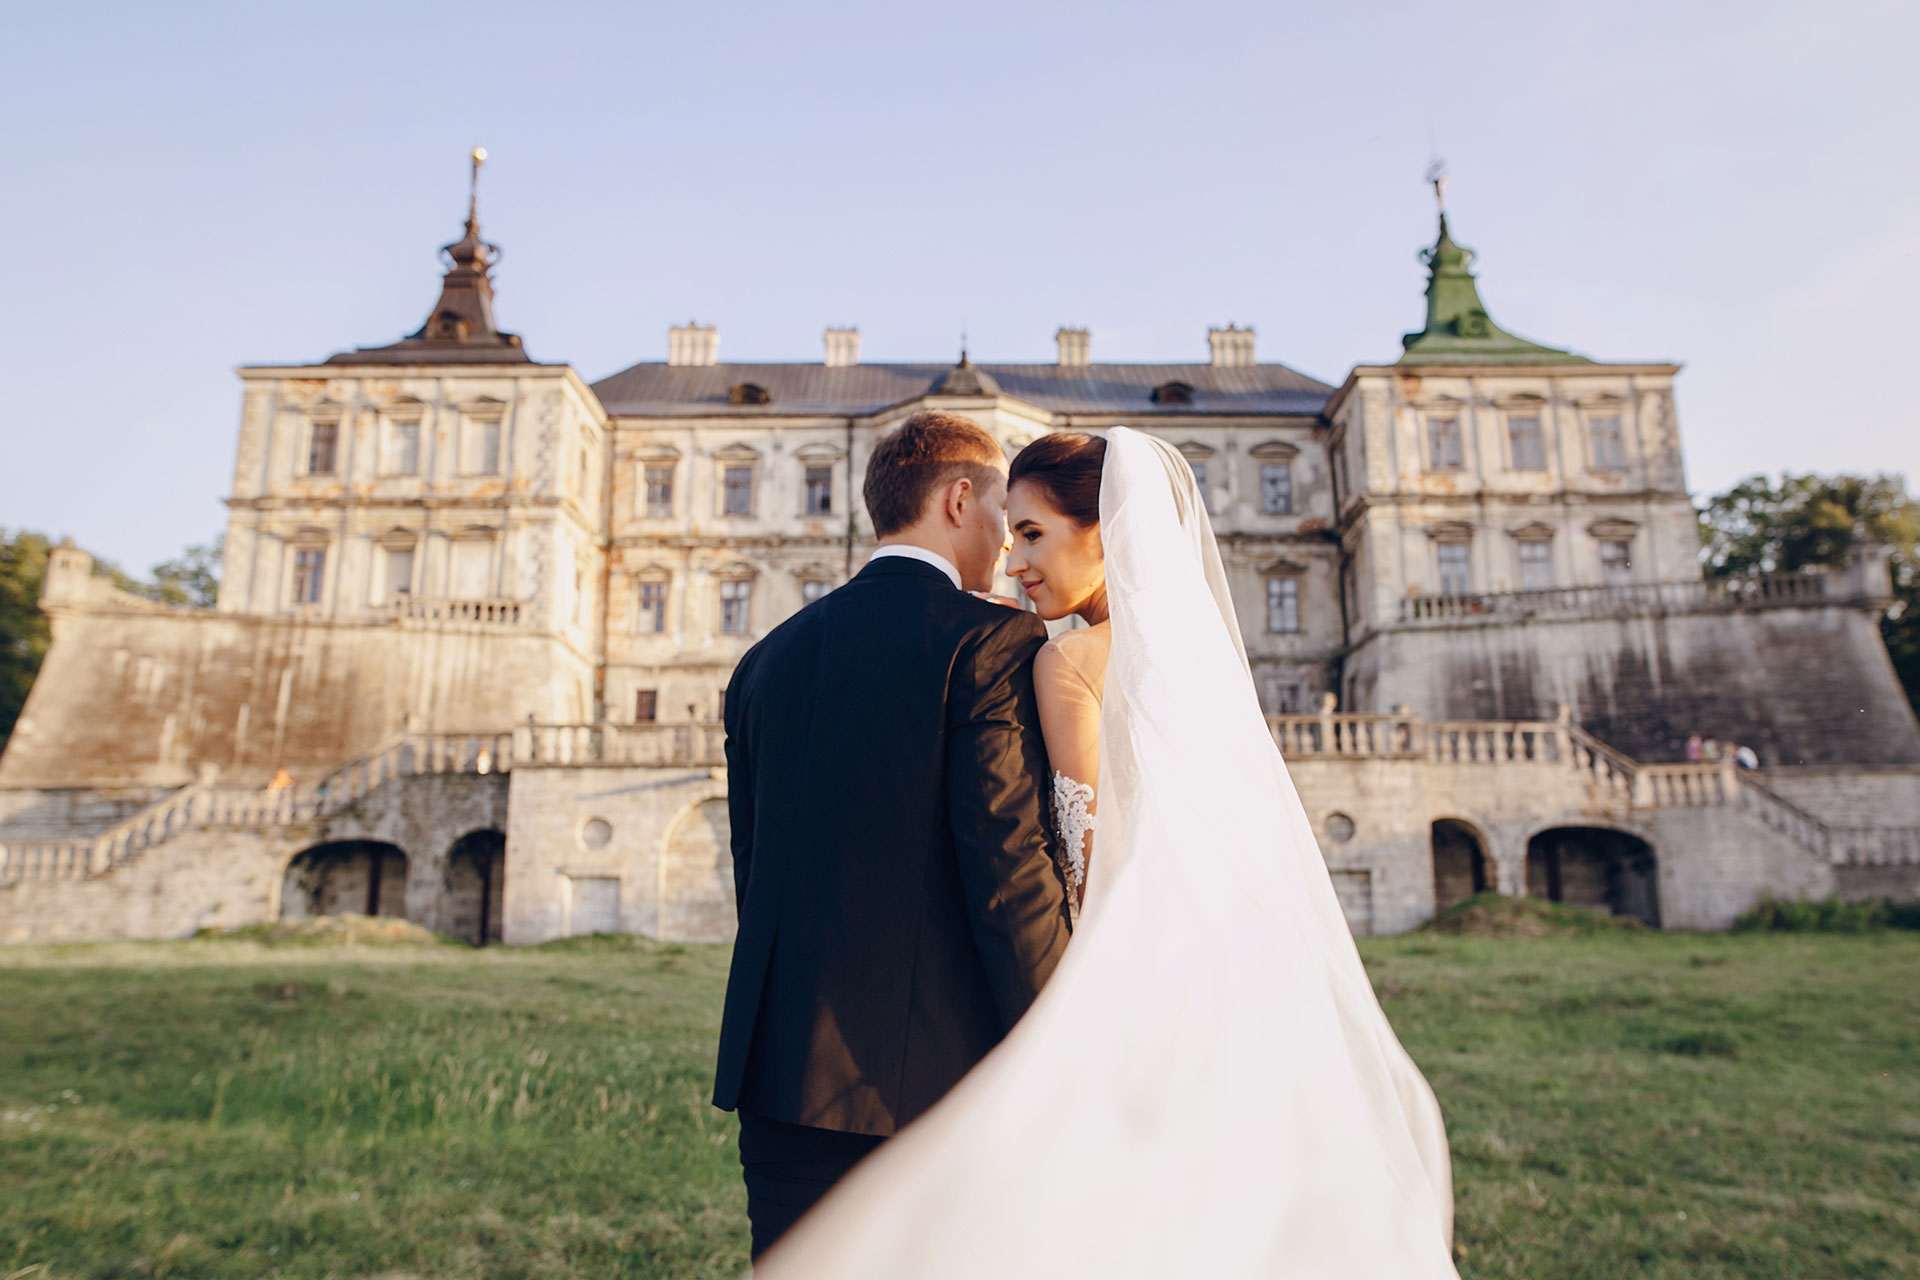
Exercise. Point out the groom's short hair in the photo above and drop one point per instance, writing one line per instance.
(930, 450)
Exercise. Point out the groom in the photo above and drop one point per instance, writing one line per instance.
(899, 906)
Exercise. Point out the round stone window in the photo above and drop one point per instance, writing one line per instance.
(1339, 828)
(595, 833)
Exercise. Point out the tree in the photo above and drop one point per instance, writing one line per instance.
(23, 628)
(192, 577)
(1813, 522)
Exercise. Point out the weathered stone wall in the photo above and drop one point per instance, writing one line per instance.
(1859, 796)
(645, 850)
(1715, 863)
(222, 877)
(1869, 884)
(1711, 863)
(1802, 686)
(143, 699)
(65, 812)
(617, 848)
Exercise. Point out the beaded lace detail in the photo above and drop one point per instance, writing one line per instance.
(1070, 816)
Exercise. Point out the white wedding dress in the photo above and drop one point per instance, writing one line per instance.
(1207, 1086)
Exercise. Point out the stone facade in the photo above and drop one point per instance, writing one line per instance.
(477, 618)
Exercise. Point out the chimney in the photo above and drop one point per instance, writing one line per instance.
(843, 348)
(1075, 347)
(1232, 347)
(693, 344)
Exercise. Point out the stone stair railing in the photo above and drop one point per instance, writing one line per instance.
(1774, 590)
(204, 804)
(1611, 773)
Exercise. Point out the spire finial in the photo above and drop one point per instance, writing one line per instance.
(1437, 176)
(479, 157)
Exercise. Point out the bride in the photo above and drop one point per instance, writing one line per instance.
(1207, 1086)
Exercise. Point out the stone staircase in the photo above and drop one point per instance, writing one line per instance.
(1621, 783)
(1626, 784)
(84, 854)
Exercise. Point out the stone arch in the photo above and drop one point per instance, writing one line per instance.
(1602, 867)
(364, 877)
(476, 880)
(1462, 865)
(696, 875)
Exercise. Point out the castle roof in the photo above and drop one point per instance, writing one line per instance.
(655, 390)
(460, 328)
(1458, 329)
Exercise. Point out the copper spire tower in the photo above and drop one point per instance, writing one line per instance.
(460, 329)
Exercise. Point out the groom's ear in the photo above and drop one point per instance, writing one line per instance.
(954, 501)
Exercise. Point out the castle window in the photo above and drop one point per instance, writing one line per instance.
(480, 447)
(653, 608)
(1276, 488)
(399, 571)
(819, 491)
(1609, 448)
(583, 474)
(646, 706)
(309, 569)
(1456, 571)
(659, 488)
(1616, 562)
(322, 443)
(813, 589)
(1528, 444)
(1283, 605)
(1291, 699)
(402, 456)
(1443, 445)
(734, 598)
(736, 491)
(1173, 393)
(1536, 564)
(749, 393)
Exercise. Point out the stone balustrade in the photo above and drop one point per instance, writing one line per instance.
(495, 613)
(1408, 737)
(1768, 591)
(695, 745)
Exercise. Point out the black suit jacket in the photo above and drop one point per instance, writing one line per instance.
(899, 903)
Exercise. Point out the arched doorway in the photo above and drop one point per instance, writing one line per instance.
(1595, 867)
(1460, 867)
(696, 876)
(367, 877)
(476, 886)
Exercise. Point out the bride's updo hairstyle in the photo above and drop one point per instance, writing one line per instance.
(1065, 466)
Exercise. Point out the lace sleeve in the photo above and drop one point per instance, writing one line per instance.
(1072, 816)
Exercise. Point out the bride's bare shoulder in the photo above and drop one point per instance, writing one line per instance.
(1082, 651)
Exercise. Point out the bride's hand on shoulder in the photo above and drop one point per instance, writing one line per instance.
(991, 598)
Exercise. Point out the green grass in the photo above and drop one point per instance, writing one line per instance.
(1621, 1104)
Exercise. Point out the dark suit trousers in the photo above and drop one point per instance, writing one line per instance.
(789, 1168)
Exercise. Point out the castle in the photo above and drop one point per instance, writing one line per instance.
(477, 616)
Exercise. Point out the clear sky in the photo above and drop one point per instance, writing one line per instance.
(192, 187)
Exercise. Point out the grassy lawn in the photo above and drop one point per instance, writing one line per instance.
(1621, 1105)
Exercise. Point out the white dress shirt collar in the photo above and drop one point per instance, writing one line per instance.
(921, 554)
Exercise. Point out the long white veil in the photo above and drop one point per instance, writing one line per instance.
(1207, 1086)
